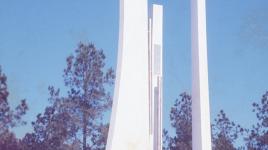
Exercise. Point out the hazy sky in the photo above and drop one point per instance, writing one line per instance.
(37, 36)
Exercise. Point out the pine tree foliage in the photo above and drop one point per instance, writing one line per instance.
(258, 135)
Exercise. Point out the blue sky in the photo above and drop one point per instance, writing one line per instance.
(37, 36)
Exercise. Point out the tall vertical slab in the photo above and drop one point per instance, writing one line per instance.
(200, 90)
(129, 124)
(157, 75)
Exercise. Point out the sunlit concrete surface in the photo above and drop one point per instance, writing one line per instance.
(129, 124)
(200, 90)
(156, 48)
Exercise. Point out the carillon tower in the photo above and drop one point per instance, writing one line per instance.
(200, 91)
(136, 120)
(156, 75)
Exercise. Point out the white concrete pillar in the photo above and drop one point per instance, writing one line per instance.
(201, 130)
(157, 74)
(129, 124)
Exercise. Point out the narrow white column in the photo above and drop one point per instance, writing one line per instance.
(129, 124)
(157, 74)
(201, 131)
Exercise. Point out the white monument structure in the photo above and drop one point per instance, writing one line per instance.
(201, 132)
(156, 76)
(136, 120)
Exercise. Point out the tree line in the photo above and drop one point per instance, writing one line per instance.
(225, 133)
(74, 122)
(70, 122)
